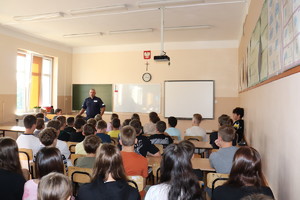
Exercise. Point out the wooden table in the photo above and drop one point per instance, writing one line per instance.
(17, 129)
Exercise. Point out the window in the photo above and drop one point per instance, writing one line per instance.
(34, 81)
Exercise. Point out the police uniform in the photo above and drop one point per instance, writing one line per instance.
(92, 106)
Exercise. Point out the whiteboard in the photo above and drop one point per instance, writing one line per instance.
(140, 98)
(185, 98)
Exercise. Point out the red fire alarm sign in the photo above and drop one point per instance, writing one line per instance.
(147, 54)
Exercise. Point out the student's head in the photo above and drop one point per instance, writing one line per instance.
(246, 168)
(227, 133)
(58, 111)
(101, 125)
(176, 170)
(91, 144)
(40, 115)
(9, 155)
(54, 123)
(79, 123)
(88, 129)
(257, 197)
(188, 147)
(40, 123)
(48, 136)
(126, 122)
(135, 116)
(78, 117)
(224, 120)
(197, 118)
(48, 159)
(54, 186)
(92, 93)
(238, 113)
(92, 121)
(108, 161)
(153, 116)
(114, 115)
(70, 121)
(63, 121)
(115, 123)
(128, 136)
(172, 121)
(29, 121)
(161, 126)
(98, 117)
(137, 125)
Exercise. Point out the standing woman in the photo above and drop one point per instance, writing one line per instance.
(245, 177)
(108, 180)
(178, 182)
(11, 177)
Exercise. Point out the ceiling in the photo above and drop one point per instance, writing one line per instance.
(225, 18)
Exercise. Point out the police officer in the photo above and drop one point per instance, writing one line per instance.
(92, 105)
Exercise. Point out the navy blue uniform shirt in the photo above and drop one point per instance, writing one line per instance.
(92, 106)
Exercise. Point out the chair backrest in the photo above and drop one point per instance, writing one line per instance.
(160, 147)
(71, 146)
(114, 141)
(196, 138)
(174, 138)
(74, 158)
(156, 171)
(26, 156)
(80, 175)
(138, 180)
(216, 179)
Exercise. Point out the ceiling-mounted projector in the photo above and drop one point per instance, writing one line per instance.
(162, 58)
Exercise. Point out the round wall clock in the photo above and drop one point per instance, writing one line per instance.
(146, 77)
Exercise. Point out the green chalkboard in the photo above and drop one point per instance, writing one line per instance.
(81, 92)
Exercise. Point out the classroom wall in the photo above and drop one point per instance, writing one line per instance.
(217, 63)
(10, 42)
(271, 123)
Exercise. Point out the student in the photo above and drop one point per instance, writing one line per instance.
(98, 117)
(40, 125)
(177, 178)
(222, 159)
(47, 160)
(90, 144)
(42, 115)
(109, 124)
(172, 131)
(150, 127)
(135, 116)
(245, 177)
(161, 137)
(57, 112)
(223, 120)
(101, 132)
(126, 122)
(143, 145)
(115, 128)
(77, 136)
(70, 125)
(92, 121)
(88, 129)
(63, 135)
(237, 115)
(27, 140)
(55, 186)
(108, 180)
(196, 130)
(11, 178)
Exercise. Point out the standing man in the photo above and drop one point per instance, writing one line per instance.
(93, 105)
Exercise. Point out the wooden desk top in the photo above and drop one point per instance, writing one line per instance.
(12, 128)
(198, 144)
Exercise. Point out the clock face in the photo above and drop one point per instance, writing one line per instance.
(146, 77)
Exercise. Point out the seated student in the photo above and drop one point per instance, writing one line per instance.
(150, 127)
(109, 124)
(42, 115)
(172, 131)
(196, 130)
(77, 136)
(92, 121)
(40, 125)
(11, 178)
(109, 180)
(27, 140)
(223, 120)
(115, 128)
(55, 186)
(101, 132)
(61, 145)
(245, 177)
(135, 116)
(90, 144)
(47, 160)
(63, 135)
(98, 117)
(126, 122)
(161, 137)
(70, 125)
(222, 159)
(88, 129)
(177, 180)
(237, 115)
(143, 145)
(57, 112)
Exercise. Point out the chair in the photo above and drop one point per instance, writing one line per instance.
(216, 179)
(26, 155)
(114, 141)
(137, 182)
(74, 158)
(79, 175)
(71, 146)
(160, 147)
(196, 138)
(156, 172)
(175, 138)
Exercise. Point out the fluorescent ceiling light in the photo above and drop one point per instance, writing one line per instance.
(99, 9)
(167, 2)
(82, 35)
(187, 27)
(39, 16)
(131, 31)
